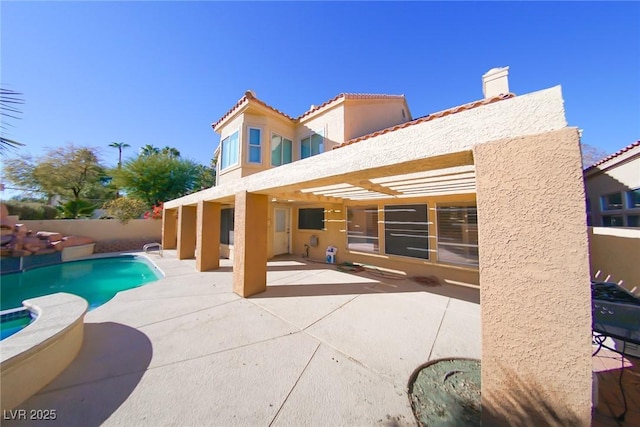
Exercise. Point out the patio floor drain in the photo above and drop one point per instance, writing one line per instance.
(446, 393)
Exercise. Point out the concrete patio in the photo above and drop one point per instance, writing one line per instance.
(320, 347)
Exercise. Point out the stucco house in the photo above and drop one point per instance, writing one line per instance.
(613, 189)
(488, 194)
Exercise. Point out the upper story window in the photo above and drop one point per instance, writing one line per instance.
(255, 146)
(612, 202)
(229, 151)
(633, 199)
(312, 145)
(281, 150)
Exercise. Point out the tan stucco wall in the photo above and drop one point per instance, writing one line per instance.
(614, 253)
(207, 236)
(100, 229)
(363, 117)
(529, 114)
(250, 248)
(330, 122)
(186, 248)
(170, 229)
(534, 281)
(334, 234)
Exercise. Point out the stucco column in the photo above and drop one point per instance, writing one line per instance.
(169, 229)
(534, 281)
(208, 236)
(186, 232)
(250, 244)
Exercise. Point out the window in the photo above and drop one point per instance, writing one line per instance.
(229, 151)
(226, 226)
(588, 204)
(458, 235)
(406, 231)
(633, 220)
(281, 150)
(612, 221)
(311, 219)
(311, 145)
(633, 199)
(255, 149)
(612, 202)
(362, 229)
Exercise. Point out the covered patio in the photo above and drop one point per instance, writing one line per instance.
(520, 163)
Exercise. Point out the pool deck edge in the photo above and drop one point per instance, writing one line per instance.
(33, 357)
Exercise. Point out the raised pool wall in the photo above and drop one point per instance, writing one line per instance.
(33, 357)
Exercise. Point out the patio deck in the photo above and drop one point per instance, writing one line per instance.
(608, 365)
(319, 347)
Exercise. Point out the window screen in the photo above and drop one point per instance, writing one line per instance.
(406, 231)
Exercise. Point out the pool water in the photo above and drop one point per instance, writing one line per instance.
(96, 280)
(10, 327)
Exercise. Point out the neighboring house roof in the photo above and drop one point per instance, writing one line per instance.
(429, 117)
(614, 155)
(248, 95)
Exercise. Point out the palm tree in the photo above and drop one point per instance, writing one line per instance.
(149, 150)
(170, 151)
(120, 146)
(8, 98)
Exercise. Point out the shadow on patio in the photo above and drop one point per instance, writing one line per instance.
(311, 278)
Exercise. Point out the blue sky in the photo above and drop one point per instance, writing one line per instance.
(161, 72)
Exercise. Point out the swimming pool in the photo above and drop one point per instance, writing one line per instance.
(13, 321)
(97, 280)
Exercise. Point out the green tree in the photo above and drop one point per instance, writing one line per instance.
(68, 171)
(158, 177)
(207, 175)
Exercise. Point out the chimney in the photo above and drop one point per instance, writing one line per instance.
(495, 82)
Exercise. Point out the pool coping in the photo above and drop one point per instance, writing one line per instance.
(34, 356)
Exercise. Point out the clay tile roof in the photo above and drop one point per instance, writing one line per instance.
(616, 154)
(248, 95)
(348, 96)
(429, 117)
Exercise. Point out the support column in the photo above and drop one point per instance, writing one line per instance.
(169, 229)
(208, 236)
(186, 232)
(534, 281)
(250, 244)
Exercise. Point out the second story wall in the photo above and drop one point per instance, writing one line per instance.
(363, 117)
(328, 123)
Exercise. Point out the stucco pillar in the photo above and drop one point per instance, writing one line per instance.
(186, 232)
(169, 229)
(534, 281)
(250, 244)
(208, 236)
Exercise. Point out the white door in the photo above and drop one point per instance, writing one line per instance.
(282, 218)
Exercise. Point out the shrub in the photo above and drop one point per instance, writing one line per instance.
(125, 209)
(31, 210)
(74, 209)
(155, 212)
